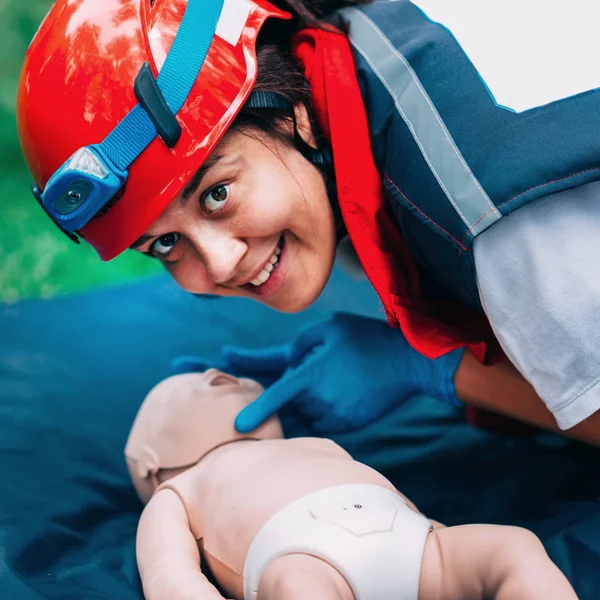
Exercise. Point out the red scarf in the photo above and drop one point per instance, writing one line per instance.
(430, 328)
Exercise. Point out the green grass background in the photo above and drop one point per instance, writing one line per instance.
(36, 259)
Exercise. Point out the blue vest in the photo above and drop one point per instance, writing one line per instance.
(453, 157)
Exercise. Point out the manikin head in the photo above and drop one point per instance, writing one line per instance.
(182, 419)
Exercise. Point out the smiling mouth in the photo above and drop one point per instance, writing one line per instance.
(265, 274)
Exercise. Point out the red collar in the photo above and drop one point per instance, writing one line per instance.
(329, 67)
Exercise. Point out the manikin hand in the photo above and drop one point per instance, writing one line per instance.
(341, 373)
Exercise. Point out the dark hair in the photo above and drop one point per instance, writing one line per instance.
(278, 71)
(313, 13)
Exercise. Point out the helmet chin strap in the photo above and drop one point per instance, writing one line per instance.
(273, 100)
(320, 157)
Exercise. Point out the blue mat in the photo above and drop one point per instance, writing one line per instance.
(74, 370)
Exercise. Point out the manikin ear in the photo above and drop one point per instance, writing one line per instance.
(148, 463)
(303, 125)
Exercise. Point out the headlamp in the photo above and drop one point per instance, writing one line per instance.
(81, 187)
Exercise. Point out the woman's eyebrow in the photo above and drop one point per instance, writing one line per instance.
(186, 194)
(190, 189)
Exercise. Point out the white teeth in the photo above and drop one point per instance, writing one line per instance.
(263, 276)
(267, 269)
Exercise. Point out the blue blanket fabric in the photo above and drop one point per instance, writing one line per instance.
(74, 370)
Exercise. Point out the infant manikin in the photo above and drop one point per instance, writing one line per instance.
(278, 519)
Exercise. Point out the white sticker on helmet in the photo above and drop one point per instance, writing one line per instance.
(232, 21)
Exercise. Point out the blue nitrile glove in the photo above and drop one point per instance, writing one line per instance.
(344, 373)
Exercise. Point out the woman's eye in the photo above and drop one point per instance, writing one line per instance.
(215, 199)
(163, 245)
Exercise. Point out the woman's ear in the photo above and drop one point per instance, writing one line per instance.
(303, 125)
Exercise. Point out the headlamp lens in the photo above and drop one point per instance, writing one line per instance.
(85, 161)
(72, 198)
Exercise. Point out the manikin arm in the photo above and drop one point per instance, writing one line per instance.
(489, 561)
(167, 553)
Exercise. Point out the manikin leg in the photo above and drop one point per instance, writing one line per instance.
(301, 576)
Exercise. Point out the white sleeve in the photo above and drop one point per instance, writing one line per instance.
(538, 274)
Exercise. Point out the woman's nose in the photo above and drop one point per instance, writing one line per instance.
(221, 254)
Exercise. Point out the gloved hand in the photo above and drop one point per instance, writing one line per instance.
(342, 374)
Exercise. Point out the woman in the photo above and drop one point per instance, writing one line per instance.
(220, 167)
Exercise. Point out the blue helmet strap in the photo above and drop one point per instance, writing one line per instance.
(161, 99)
(152, 100)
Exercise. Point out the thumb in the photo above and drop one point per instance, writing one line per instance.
(282, 392)
(273, 359)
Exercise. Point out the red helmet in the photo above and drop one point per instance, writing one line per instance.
(77, 85)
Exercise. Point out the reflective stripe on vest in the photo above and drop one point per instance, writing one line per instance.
(445, 160)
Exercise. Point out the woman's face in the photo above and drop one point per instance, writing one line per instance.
(254, 222)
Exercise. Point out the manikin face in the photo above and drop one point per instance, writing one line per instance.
(254, 222)
(184, 418)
